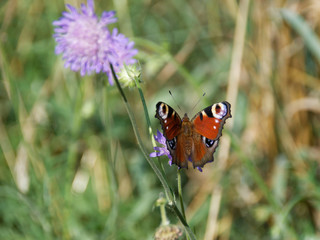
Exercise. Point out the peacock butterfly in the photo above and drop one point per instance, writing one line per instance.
(194, 140)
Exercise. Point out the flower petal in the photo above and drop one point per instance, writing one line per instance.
(86, 44)
(161, 151)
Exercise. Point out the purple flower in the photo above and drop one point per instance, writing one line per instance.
(87, 45)
(161, 150)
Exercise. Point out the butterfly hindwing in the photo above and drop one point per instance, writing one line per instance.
(203, 153)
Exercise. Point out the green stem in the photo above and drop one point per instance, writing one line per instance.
(139, 140)
(164, 218)
(180, 193)
(180, 196)
(161, 202)
(147, 118)
(163, 181)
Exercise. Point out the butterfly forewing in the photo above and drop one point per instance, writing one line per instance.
(169, 119)
(209, 122)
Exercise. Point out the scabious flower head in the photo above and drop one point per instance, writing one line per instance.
(87, 45)
(161, 150)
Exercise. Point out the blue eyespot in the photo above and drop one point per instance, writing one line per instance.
(208, 142)
(172, 144)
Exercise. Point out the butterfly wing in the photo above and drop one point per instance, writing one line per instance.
(208, 125)
(171, 127)
(169, 119)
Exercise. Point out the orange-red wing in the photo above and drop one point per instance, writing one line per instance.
(169, 119)
(209, 122)
(208, 125)
(203, 153)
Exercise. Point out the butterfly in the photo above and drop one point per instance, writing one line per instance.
(194, 140)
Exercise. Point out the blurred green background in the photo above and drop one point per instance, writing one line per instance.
(70, 167)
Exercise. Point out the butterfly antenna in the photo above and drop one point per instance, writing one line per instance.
(198, 101)
(175, 101)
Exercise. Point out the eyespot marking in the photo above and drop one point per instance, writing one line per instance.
(170, 111)
(219, 110)
(208, 142)
(172, 143)
(163, 111)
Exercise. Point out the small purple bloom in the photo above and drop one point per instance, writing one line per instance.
(87, 45)
(161, 150)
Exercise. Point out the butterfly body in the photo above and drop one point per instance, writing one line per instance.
(194, 140)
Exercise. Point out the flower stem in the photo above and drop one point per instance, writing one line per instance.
(147, 118)
(180, 193)
(139, 140)
(161, 203)
(154, 167)
(180, 196)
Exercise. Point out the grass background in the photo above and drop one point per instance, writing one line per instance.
(70, 167)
